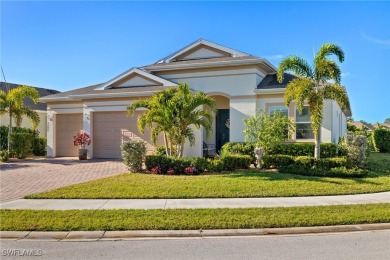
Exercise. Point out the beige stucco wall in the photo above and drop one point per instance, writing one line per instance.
(4, 121)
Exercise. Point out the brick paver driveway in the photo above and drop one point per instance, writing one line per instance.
(20, 178)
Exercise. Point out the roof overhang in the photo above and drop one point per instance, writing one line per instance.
(99, 95)
(270, 91)
(167, 67)
(143, 73)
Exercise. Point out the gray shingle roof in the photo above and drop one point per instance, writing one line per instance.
(91, 90)
(28, 101)
(270, 81)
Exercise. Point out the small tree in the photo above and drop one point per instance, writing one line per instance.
(133, 154)
(267, 131)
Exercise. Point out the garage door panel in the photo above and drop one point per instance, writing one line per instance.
(67, 126)
(111, 129)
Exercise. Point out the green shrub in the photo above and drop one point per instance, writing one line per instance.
(304, 149)
(21, 144)
(356, 150)
(341, 172)
(234, 162)
(4, 156)
(305, 161)
(241, 148)
(39, 146)
(200, 163)
(215, 165)
(178, 165)
(133, 154)
(277, 161)
(328, 163)
(161, 161)
(160, 150)
(381, 139)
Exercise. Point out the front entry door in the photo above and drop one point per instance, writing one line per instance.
(222, 127)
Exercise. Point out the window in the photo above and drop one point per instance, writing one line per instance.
(303, 128)
(282, 109)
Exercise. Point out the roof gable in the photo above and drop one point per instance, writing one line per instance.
(202, 49)
(135, 78)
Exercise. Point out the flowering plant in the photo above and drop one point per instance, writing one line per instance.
(156, 170)
(81, 139)
(171, 171)
(190, 170)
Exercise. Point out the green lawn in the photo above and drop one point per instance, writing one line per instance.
(192, 219)
(251, 183)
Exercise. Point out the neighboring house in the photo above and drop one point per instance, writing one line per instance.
(40, 108)
(241, 84)
(363, 126)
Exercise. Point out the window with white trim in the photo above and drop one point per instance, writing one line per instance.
(303, 127)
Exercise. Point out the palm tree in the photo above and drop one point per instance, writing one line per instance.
(314, 85)
(173, 112)
(12, 103)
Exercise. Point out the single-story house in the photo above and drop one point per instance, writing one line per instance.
(240, 84)
(40, 108)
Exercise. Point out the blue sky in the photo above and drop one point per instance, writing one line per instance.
(67, 45)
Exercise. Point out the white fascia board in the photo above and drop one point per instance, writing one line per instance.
(136, 71)
(158, 67)
(48, 99)
(112, 95)
(270, 91)
(234, 53)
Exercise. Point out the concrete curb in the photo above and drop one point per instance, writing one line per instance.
(78, 236)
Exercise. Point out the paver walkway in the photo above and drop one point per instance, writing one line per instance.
(20, 178)
(66, 204)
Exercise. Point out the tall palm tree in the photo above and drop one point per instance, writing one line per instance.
(12, 103)
(315, 84)
(173, 112)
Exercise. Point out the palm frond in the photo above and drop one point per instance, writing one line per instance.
(17, 95)
(337, 93)
(299, 89)
(295, 64)
(327, 70)
(330, 49)
(30, 114)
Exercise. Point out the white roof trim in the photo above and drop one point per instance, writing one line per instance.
(164, 82)
(233, 52)
(101, 95)
(158, 67)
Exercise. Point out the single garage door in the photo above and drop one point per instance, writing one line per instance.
(67, 126)
(113, 128)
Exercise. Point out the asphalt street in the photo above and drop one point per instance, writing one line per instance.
(349, 245)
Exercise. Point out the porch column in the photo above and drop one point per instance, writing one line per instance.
(51, 134)
(87, 127)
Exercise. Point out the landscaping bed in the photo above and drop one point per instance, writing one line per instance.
(192, 219)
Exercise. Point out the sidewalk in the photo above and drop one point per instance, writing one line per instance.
(68, 204)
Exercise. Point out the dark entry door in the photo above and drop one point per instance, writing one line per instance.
(222, 127)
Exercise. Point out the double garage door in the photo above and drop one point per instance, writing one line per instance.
(110, 129)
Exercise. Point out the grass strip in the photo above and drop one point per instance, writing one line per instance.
(230, 185)
(192, 219)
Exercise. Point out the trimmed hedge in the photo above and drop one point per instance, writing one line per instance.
(3, 156)
(235, 162)
(39, 146)
(239, 148)
(381, 138)
(341, 172)
(327, 150)
(161, 164)
(277, 161)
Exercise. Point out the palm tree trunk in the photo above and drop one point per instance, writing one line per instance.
(317, 145)
(9, 133)
(166, 144)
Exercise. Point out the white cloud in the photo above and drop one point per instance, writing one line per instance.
(275, 57)
(383, 42)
